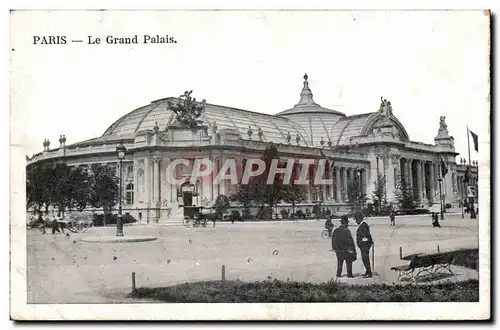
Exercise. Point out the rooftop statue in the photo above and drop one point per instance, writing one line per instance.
(443, 128)
(187, 111)
(385, 107)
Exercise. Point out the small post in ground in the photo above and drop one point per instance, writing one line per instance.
(223, 271)
(438, 248)
(400, 253)
(373, 256)
(133, 282)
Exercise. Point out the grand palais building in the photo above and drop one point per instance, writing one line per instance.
(365, 144)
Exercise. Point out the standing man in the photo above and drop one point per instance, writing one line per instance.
(343, 245)
(364, 241)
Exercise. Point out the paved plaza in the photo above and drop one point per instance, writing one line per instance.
(64, 269)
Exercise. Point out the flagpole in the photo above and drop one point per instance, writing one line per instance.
(468, 142)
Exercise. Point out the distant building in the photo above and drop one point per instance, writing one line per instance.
(363, 145)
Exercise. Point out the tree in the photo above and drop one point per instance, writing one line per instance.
(294, 194)
(37, 192)
(79, 190)
(103, 190)
(404, 196)
(379, 193)
(60, 186)
(44, 182)
(221, 205)
(257, 190)
(356, 199)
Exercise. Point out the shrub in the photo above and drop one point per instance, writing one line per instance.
(273, 290)
(284, 214)
(413, 211)
(318, 211)
(235, 215)
(447, 206)
(265, 213)
(111, 219)
(300, 214)
(466, 258)
(246, 214)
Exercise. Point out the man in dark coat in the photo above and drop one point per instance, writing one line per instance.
(343, 245)
(364, 241)
(435, 220)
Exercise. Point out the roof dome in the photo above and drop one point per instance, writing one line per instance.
(315, 119)
(307, 104)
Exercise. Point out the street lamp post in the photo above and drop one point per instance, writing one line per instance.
(318, 206)
(120, 153)
(441, 198)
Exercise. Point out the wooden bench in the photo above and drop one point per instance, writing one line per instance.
(425, 263)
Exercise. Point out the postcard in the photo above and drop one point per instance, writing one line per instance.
(250, 165)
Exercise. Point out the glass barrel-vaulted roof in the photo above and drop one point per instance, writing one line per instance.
(307, 120)
(275, 129)
(348, 127)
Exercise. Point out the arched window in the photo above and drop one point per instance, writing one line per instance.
(129, 193)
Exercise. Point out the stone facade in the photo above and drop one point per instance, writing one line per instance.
(366, 145)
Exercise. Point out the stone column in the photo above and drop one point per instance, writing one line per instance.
(361, 180)
(366, 179)
(212, 176)
(147, 182)
(404, 170)
(432, 182)
(344, 184)
(224, 184)
(332, 191)
(323, 188)
(424, 181)
(410, 173)
(156, 181)
(418, 184)
(338, 191)
(136, 182)
(168, 184)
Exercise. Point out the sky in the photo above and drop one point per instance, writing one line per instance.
(428, 64)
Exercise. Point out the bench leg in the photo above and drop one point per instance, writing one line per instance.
(405, 273)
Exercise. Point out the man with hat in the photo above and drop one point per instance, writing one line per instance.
(364, 241)
(343, 245)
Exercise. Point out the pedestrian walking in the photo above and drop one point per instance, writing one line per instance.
(364, 241)
(435, 220)
(343, 245)
(392, 217)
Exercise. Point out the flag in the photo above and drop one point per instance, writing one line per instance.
(444, 169)
(474, 139)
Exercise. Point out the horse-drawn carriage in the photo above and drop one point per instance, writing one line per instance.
(198, 216)
(75, 223)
